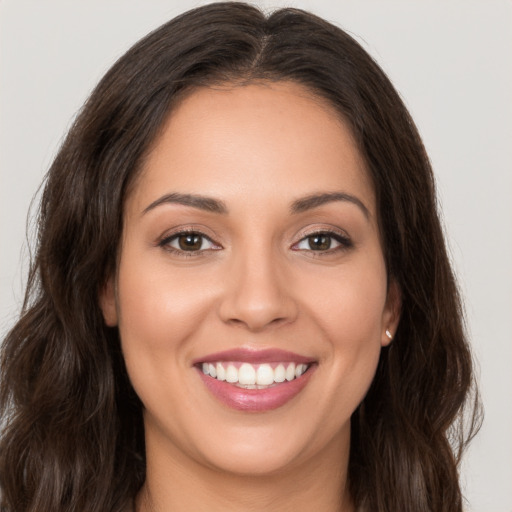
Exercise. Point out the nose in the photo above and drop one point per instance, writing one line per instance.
(258, 294)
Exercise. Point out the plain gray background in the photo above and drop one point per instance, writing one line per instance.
(450, 60)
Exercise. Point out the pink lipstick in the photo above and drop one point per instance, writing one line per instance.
(255, 380)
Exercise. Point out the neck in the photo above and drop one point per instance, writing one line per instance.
(319, 484)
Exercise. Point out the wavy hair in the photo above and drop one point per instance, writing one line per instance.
(72, 437)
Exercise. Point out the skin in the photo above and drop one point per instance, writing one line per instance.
(257, 284)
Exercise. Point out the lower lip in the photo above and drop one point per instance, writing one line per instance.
(256, 400)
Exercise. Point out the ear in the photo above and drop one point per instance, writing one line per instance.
(391, 314)
(108, 305)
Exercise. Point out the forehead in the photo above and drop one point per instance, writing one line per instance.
(260, 141)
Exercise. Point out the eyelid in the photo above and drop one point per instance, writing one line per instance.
(341, 236)
(164, 240)
(323, 228)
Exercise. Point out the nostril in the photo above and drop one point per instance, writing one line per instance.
(257, 299)
(255, 325)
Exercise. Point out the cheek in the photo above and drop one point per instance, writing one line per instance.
(159, 296)
(349, 303)
(349, 314)
(159, 311)
(354, 329)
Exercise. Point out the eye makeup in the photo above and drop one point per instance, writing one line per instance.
(188, 242)
(193, 242)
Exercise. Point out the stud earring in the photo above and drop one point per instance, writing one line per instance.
(388, 334)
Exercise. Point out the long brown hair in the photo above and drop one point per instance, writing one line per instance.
(72, 425)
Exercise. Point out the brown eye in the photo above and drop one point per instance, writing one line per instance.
(319, 242)
(190, 241)
(323, 242)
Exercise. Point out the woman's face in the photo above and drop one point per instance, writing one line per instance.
(251, 292)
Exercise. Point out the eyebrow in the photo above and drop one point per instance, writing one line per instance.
(316, 200)
(195, 201)
(212, 205)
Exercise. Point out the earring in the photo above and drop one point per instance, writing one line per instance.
(388, 334)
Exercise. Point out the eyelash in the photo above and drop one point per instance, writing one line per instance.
(165, 243)
(344, 243)
(343, 240)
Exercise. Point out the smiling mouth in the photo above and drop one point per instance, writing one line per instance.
(255, 381)
(254, 376)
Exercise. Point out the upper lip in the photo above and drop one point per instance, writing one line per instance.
(269, 355)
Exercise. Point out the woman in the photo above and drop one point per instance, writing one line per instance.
(241, 298)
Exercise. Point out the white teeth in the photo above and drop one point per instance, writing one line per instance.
(290, 372)
(254, 376)
(231, 374)
(301, 368)
(279, 373)
(265, 375)
(221, 373)
(246, 374)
